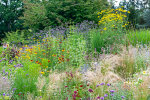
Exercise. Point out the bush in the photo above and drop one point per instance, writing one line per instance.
(17, 38)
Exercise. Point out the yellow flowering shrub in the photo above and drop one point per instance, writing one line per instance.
(112, 18)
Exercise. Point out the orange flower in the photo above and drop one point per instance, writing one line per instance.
(31, 60)
(63, 50)
(37, 61)
(54, 55)
(48, 60)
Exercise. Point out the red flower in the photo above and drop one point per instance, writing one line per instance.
(66, 86)
(81, 85)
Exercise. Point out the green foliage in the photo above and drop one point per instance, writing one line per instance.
(10, 10)
(26, 77)
(138, 37)
(146, 17)
(34, 15)
(17, 38)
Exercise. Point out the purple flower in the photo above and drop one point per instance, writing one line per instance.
(10, 69)
(97, 85)
(108, 84)
(3, 94)
(112, 91)
(102, 98)
(112, 94)
(98, 97)
(90, 90)
(122, 97)
(10, 61)
(4, 71)
(40, 96)
(14, 89)
(102, 84)
(27, 74)
(105, 95)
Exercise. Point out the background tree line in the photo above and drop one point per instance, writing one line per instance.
(40, 14)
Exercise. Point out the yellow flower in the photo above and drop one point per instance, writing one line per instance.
(105, 28)
(42, 72)
(144, 72)
(16, 57)
(129, 12)
(20, 48)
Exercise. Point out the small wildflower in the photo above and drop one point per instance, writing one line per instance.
(144, 72)
(66, 86)
(90, 90)
(112, 91)
(102, 98)
(102, 84)
(3, 94)
(42, 72)
(112, 94)
(97, 85)
(75, 92)
(108, 84)
(122, 97)
(98, 97)
(105, 28)
(106, 95)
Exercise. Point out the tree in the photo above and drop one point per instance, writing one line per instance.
(10, 10)
(40, 14)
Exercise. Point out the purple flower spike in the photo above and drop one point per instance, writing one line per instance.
(102, 84)
(122, 97)
(112, 91)
(90, 90)
(105, 95)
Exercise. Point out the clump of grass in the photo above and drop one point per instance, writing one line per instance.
(130, 64)
(135, 37)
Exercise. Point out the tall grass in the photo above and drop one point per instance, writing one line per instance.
(141, 36)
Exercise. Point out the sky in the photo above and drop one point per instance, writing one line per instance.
(117, 2)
